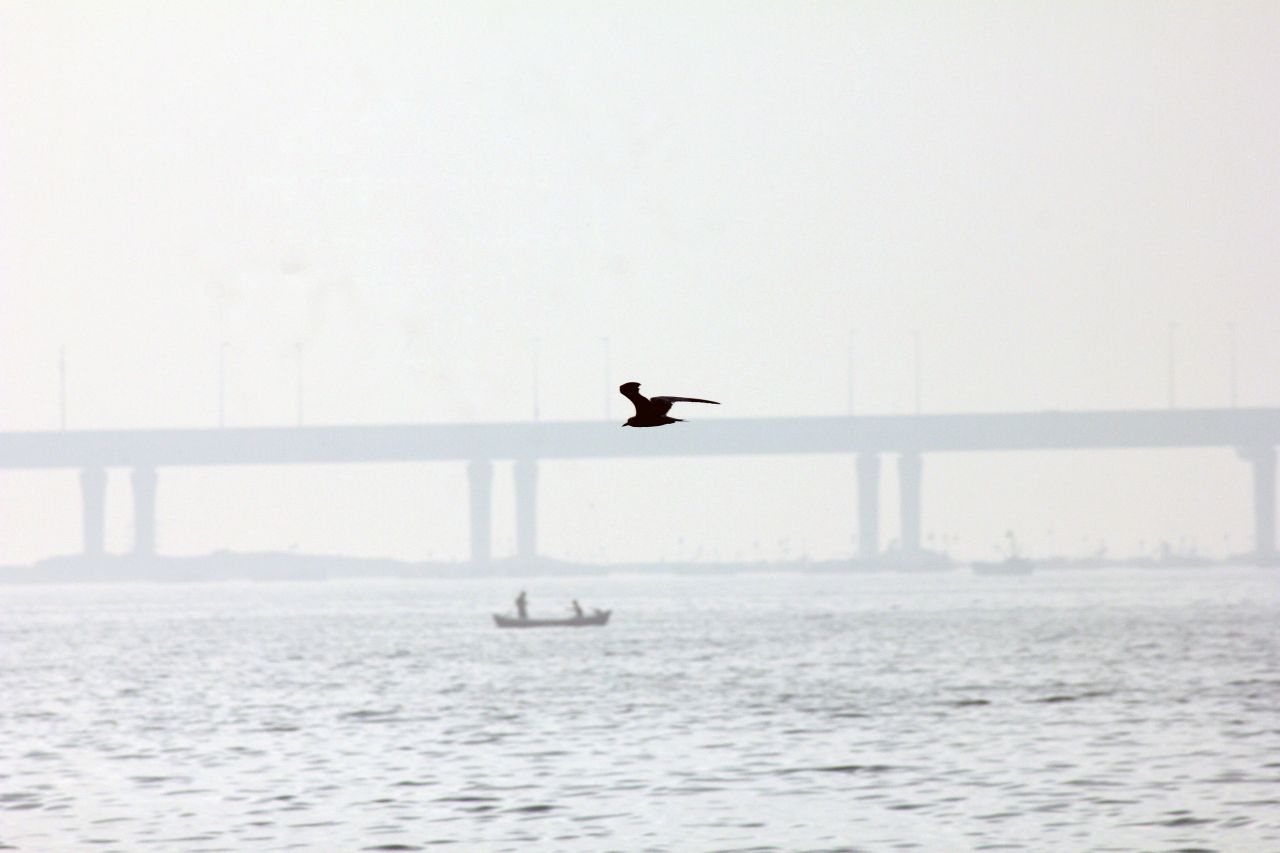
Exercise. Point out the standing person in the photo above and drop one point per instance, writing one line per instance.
(522, 605)
(577, 609)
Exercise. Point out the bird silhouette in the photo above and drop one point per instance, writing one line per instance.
(652, 411)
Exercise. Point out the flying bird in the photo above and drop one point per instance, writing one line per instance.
(652, 411)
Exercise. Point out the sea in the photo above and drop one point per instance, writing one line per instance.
(1118, 709)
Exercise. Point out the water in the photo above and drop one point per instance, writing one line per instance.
(1087, 710)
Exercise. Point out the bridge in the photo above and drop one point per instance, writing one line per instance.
(1253, 432)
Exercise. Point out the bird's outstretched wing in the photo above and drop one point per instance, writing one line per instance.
(631, 391)
(670, 400)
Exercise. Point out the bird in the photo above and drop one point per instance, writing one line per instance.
(652, 411)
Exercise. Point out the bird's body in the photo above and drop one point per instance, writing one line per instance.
(652, 411)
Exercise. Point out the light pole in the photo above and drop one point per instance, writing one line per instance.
(849, 372)
(1231, 362)
(297, 354)
(608, 392)
(915, 339)
(62, 388)
(535, 378)
(222, 384)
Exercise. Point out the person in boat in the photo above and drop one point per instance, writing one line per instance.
(577, 609)
(522, 605)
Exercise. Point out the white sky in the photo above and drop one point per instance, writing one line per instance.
(415, 193)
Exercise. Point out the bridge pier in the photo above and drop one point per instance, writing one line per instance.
(526, 476)
(480, 477)
(93, 495)
(144, 510)
(1263, 460)
(909, 477)
(868, 505)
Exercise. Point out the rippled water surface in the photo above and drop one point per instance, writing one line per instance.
(1099, 710)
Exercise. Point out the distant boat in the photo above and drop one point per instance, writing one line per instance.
(1007, 566)
(597, 617)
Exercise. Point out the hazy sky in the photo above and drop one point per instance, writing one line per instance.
(414, 196)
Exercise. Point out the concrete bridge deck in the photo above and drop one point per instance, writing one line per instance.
(1050, 430)
(1253, 432)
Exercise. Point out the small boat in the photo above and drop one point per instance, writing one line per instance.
(596, 617)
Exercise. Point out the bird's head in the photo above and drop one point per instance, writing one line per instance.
(629, 386)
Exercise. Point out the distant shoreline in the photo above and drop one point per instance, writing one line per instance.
(277, 566)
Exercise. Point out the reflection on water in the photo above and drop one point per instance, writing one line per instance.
(1106, 710)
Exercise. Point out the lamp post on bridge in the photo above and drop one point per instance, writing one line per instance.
(608, 392)
(536, 343)
(62, 388)
(915, 341)
(222, 384)
(297, 354)
(849, 371)
(1231, 363)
